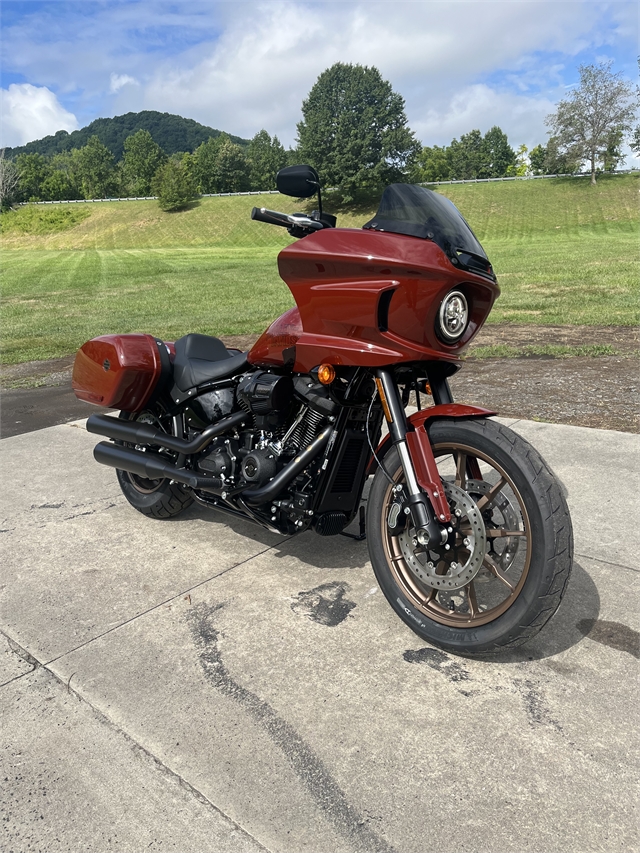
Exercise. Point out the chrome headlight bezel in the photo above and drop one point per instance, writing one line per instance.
(453, 317)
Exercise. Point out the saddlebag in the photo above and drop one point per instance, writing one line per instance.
(120, 371)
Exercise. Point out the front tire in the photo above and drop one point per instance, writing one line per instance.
(504, 570)
(155, 498)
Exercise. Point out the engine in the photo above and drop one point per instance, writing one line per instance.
(286, 414)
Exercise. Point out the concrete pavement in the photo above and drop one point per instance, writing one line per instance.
(202, 685)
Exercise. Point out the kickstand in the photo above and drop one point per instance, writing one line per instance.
(359, 536)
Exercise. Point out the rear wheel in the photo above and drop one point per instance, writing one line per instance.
(502, 573)
(156, 498)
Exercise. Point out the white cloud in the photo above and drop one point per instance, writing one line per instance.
(120, 80)
(480, 106)
(31, 112)
(264, 63)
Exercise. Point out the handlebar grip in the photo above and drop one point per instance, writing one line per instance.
(271, 216)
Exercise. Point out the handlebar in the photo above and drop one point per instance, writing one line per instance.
(286, 220)
(262, 214)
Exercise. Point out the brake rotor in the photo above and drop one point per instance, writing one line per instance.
(505, 558)
(427, 564)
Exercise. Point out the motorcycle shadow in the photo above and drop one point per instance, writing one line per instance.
(580, 607)
(321, 552)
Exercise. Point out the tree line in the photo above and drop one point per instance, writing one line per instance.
(217, 165)
(354, 131)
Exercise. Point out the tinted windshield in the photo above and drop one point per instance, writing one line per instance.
(419, 212)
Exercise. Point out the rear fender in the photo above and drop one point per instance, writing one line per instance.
(422, 458)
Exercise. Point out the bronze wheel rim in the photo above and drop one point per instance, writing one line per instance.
(505, 565)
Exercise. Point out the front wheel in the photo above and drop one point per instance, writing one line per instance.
(503, 571)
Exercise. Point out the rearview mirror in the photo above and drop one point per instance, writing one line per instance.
(298, 181)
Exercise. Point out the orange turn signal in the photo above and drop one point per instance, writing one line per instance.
(326, 374)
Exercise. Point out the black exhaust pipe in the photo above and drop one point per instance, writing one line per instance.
(272, 489)
(133, 432)
(151, 467)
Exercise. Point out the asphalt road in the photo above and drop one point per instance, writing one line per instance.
(202, 685)
(31, 409)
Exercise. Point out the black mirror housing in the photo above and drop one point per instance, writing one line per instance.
(298, 181)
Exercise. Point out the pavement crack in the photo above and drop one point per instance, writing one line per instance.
(181, 594)
(22, 653)
(606, 562)
(158, 763)
(307, 766)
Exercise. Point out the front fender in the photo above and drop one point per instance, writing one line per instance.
(418, 419)
(422, 459)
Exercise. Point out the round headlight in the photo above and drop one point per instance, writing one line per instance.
(453, 316)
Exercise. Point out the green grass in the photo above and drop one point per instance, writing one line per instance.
(38, 220)
(583, 279)
(565, 253)
(521, 210)
(58, 299)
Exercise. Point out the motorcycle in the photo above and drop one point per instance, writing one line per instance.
(468, 531)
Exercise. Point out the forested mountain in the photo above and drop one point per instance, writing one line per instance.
(172, 133)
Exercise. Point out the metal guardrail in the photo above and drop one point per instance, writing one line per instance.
(275, 192)
(524, 178)
(142, 198)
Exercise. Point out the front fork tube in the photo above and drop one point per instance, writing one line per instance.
(425, 517)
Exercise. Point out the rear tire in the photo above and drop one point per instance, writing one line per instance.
(519, 563)
(155, 498)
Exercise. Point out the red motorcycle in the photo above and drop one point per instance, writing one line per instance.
(468, 531)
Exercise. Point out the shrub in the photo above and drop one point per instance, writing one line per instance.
(173, 186)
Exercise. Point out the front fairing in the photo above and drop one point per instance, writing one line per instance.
(369, 298)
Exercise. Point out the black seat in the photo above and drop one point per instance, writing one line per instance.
(200, 359)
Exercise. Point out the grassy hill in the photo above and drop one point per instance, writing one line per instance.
(564, 252)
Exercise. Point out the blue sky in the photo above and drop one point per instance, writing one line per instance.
(242, 66)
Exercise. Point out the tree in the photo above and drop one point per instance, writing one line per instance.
(266, 157)
(498, 155)
(142, 159)
(204, 164)
(612, 155)
(57, 187)
(9, 179)
(467, 157)
(477, 156)
(558, 162)
(173, 186)
(522, 166)
(635, 139)
(432, 164)
(93, 164)
(599, 106)
(536, 159)
(354, 131)
(62, 182)
(231, 168)
(32, 169)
